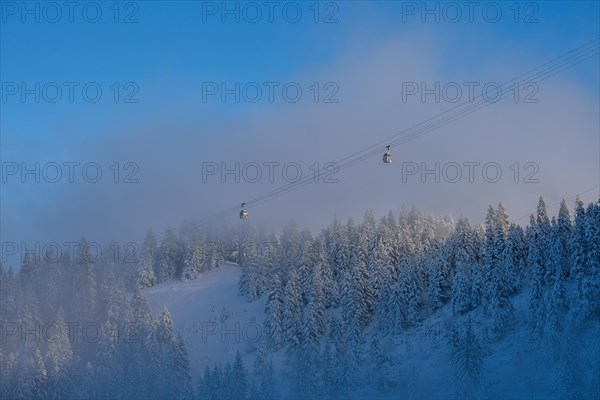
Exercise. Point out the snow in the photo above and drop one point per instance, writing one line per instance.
(214, 320)
(516, 365)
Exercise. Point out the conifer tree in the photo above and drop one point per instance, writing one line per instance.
(274, 310)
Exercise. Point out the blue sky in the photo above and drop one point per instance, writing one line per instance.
(169, 49)
(170, 52)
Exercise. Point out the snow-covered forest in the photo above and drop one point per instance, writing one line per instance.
(408, 306)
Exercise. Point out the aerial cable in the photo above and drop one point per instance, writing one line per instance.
(582, 53)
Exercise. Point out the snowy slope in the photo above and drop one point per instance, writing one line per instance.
(216, 321)
(516, 365)
(213, 318)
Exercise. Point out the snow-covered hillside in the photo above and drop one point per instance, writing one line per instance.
(211, 315)
(216, 321)
(399, 309)
(419, 361)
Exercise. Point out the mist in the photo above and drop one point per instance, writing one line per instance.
(553, 140)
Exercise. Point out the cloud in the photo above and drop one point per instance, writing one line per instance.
(179, 132)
